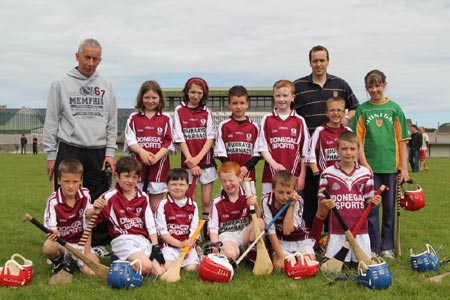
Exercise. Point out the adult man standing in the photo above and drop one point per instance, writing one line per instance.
(23, 144)
(81, 123)
(312, 93)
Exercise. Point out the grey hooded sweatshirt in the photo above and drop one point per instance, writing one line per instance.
(81, 112)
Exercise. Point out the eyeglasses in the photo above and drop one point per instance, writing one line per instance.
(340, 111)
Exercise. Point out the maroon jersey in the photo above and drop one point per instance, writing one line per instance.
(179, 222)
(322, 146)
(194, 126)
(237, 141)
(227, 216)
(286, 140)
(349, 191)
(151, 134)
(127, 216)
(69, 221)
(301, 231)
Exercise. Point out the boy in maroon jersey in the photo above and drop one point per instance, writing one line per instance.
(284, 138)
(177, 219)
(65, 214)
(230, 221)
(290, 233)
(130, 221)
(237, 137)
(322, 152)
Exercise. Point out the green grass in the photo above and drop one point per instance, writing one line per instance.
(24, 188)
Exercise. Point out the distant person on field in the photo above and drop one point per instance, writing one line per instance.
(415, 144)
(424, 149)
(66, 214)
(35, 145)
(81, 123)
(23, 144)
(237, 136)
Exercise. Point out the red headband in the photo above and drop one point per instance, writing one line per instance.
(198, 79)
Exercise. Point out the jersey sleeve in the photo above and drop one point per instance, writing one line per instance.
(130, 133)
(219, 147)
(177, 134)
(267, 214)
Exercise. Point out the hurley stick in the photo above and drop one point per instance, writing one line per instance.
(263, 263)
(398, 249)
(100, 270)
(173, 273)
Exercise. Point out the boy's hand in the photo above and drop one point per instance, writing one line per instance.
(278, 262)
(329, 203)
(243, 172)
(54, 235)
(187, 243)
(251, 200)
(99, 203)
(376, 200)
(157, 254)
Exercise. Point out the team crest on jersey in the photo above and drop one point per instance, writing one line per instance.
(335, 94)
(159, 131)
(86, 90)
(80, 213)
(249, 136)
(335, 186)
(203, 122)
(293, 131)
(379, 122)
(138, 210)
(244, 212)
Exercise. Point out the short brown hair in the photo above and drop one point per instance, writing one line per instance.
(347, 136)
(127, 164)
(72, 166)
(150, 85)
(284, 178)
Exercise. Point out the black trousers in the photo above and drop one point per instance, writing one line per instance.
(94, 179)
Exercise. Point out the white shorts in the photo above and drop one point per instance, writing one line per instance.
(305, 246)
(171, 254)
(266, 188)
(154, 187)
(336, 241)
(126, 245)
(233, 236)
(67, 253)
(208, 175)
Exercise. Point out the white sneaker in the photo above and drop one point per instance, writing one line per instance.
(373, 254)
(388, 254)
(101, 251)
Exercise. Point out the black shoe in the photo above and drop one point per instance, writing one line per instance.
(56, 267)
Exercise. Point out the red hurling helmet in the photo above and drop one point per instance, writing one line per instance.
(412, 200)
(13, 274)
(215, 268)
(26, 264)
(299, 265)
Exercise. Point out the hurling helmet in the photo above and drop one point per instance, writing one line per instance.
(299, 265)
(12, 274)
(425, 261)
(212, 248)
(26, 264)
(121, 274)
(215, 268)
(412, 200)
(376, 276)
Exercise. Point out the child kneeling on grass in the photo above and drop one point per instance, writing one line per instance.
(176, 220)
(130, 219)
(65, 214)
(290, 233)
(229, 218)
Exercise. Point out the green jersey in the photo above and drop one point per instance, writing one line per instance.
(381, 127)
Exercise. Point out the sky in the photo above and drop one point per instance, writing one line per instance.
(249, 42)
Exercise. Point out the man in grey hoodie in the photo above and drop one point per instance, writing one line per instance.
(81, 122)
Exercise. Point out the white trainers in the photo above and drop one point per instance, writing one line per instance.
(373, 254)
(388, 254)
(101, 251)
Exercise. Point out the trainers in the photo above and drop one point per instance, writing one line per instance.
(101, 251)
(388, 254)
(373, 254)
(62, 273)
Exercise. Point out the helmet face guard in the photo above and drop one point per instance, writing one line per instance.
(215, 268)
(121, 274)
(412, 199)
(376, 276)
(425, 261)
(299, 265)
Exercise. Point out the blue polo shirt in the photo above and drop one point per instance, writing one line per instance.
(311, 99)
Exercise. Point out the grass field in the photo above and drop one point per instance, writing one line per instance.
(24, 188)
